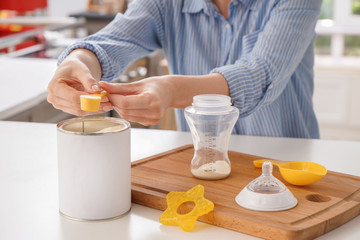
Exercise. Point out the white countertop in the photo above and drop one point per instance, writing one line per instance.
(29, 185)
(24, 82)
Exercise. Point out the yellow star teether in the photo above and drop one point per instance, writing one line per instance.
(91, 102)
(186, 221)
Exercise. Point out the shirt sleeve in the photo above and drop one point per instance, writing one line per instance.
(128, 37)
(260, 76)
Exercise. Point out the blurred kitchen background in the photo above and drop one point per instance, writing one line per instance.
(34, 33)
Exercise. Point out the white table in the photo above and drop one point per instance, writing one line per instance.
(24, 83)
(29, 197)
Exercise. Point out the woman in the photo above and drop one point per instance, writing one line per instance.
(260, 53)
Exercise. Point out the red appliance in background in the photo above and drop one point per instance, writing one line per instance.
(13, 8)
(23, 6)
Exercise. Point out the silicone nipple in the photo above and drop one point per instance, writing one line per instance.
(266, 193)
(266, 183)
(186, 221)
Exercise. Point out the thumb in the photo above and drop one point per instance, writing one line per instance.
(120, 88)
(90, 84)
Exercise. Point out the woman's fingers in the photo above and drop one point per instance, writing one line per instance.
(71, 110)
(75, 76)
(144, 108)
(60, 91)
(138, 116)
(121, 88)
(89, 83)
(67, 98)
(141, 101)
(153, 115)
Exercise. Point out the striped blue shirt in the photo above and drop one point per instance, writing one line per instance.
(264, 50)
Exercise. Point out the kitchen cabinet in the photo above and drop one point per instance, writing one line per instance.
(337, 97)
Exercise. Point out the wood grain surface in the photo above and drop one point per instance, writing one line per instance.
(322, 206)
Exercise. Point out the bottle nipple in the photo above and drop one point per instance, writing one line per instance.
(266, 183)
(266, 193)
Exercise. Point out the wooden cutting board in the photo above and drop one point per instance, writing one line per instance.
(322, 206)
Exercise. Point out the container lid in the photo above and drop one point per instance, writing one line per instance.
(93, 125)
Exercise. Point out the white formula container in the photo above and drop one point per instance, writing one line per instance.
(94, 168)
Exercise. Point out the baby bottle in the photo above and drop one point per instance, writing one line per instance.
(211, 119)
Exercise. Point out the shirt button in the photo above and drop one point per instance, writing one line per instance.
(270, 86)
(227, 25)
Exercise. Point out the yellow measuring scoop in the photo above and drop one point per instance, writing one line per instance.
(297, 173)
(91, 102)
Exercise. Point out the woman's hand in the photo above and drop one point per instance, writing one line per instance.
(78, 73)
(143, 101)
